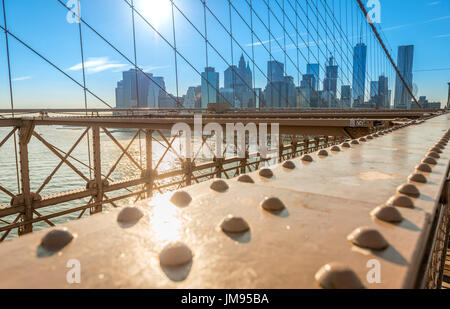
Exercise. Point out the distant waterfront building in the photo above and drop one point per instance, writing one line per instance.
(359, 73)
(156, 90)
(141, 92)
(426, 104)
(192, 97)
(281, 94)
(384, 92)
(346, 96)
(307, 92)
(210, 87)
(275, 72)
(313, 69)
(331, 77)
(405, 66)
(373, 88)
(239, 79)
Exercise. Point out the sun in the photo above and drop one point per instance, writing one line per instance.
(157, 11)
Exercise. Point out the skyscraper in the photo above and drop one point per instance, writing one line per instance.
(239, 80)
(359, 72)
(373, 88)
(148, 87)
(405, 58)
(384, 92)
(313, 69)
(275, 71)
(210, 87)
(346, 96)
(331, 77)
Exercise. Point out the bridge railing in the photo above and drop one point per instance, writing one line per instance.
(68, 172)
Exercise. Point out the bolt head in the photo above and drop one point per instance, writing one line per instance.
(323, 153)
(400, 201)
(129, 215)
(181, 198)
(175, 254)
(409, 190)
(433, 154)
(369, 137)
(337, 276)
(272, 204)
(266, 173)
(436, 149)
(423, 167)
(245, 178)
(369, 238)
(289, 165)
(387, 214)
(345, 145)
(417, 177)
(219, 186)
(56, 239)
(232, 224)
(375, 135)
(335, 148)
(362, 139)
(354, 142)
(307, 158)
(429, 160)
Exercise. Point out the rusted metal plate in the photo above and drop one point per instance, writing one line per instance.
(324, 202)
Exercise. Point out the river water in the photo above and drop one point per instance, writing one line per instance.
(42, 162)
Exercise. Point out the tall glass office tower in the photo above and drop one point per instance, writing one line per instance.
(359, 73)
(405, 57)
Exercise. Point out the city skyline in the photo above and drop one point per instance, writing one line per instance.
(104, 67)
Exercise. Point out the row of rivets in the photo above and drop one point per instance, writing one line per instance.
(339, 276)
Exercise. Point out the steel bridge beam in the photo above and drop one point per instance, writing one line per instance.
(324, 201)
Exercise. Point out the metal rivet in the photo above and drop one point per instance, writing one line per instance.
(335, 148)
(408, 189)
(354, 142)
(233, 224)
(246, 179)
(181, 198)
(387, 213)
(219, 186)
(175, 254)
(56, 239)
(337, 276)
(423, 167)
(323, 153)
(369, 137)
(362, 139)
(375, 135)
(400, 201)
(429, 160)
(433, 154)
(345, 145)
(369, 238)
(436, 149)
(440, 146)
(380, 133)
(129, 215)
(289, 165)
(272, 204)
(266, 173)
(417, 177)
(307, 158)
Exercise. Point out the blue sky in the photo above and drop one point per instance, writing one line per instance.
(42, 24)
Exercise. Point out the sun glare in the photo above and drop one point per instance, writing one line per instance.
(157, 11)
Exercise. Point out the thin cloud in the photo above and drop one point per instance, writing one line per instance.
(434, 3)
(17, 79)
(442, 36)
(396, 27)
(97, 65)
(437, 19)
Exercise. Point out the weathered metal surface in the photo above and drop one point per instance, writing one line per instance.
(324, 201)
